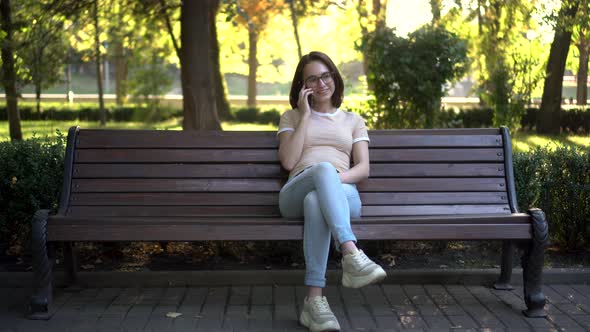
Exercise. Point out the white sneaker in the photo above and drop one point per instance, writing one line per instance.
(358, 270)
(317, 315)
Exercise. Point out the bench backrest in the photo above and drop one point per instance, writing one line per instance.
(181, 173)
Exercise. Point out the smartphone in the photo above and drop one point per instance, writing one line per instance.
(310, 99)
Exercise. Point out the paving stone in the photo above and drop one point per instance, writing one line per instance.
(452, 309)
(439, 294)
(437, 323)
(417, 294)
(276, 308)
(463, 321)
(563, 321)
(413, 322)
(262, 295)
(239, 295)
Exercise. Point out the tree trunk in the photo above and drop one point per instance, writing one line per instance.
(38, 96)
(252, 66)
(549, 113)
(295, 27)
(435, 9)
(120, 72)
(196, 67)
(102, 112)
(582, 76)
(8, 71)
(220, 96)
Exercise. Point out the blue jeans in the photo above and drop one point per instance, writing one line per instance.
(326, 205)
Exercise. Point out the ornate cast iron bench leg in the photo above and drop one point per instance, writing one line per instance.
(532, 265)
(42, 266)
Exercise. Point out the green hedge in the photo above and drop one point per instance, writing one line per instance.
(91, 113)
(556, 181)
(573, 120)
(30, 179)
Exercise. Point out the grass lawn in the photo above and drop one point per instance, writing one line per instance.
(48, 128)
(520, 141)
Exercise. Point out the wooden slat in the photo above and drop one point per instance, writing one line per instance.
(176, 155)
(271, 155)
(421, 141)
(405, 198)
(273, 170)
(181, 139)
(94, 138)
(184, 232)
(272, 211)
(412, 210)
(274, 185)
(433, 184)
(180, 211)
(176, 185)
(436, 170)
(436, 155)
(436, 132)
(515, 218)
(237, 199)
(192, 199)
(179, 171)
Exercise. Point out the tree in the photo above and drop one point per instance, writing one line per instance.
(44, 48)
(409, 75)
(102, 111)
(370, 22)
(8, 69)
(435, 6)
(197, 70)
(582, 42)
(254, 15)
(549, 113)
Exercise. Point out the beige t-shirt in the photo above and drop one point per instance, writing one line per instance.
(329, 137)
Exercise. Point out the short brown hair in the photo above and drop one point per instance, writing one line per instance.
(297, 83)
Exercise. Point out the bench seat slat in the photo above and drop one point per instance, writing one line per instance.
(238, 199)
(273, 211)
(274, 185)
(273, 171)
(271, 155)
(177, 139)
(191, 232)
(514, 218)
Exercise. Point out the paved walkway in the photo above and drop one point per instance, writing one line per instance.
(388, 307)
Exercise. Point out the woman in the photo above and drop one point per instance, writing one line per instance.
(317, 141)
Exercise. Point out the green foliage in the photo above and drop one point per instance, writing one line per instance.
(558, 182)
(90, 112)
(409, 75)
(31, 175)
(254, 115)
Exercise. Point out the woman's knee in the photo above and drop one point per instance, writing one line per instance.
(311, 201)
(323, 168)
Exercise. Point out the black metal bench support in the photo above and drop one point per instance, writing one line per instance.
(532, 265)
(42, 266)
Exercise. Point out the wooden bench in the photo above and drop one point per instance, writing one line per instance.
(141, 185)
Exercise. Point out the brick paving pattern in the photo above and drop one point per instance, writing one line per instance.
(387, 307)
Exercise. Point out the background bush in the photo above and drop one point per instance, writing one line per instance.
(31, 174)
(558, 182)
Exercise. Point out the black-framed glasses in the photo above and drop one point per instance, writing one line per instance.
(313, 81)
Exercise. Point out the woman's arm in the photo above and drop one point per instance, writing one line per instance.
(291, 144)
(361, 168)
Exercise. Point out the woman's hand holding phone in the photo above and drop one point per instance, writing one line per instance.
(304, 103)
